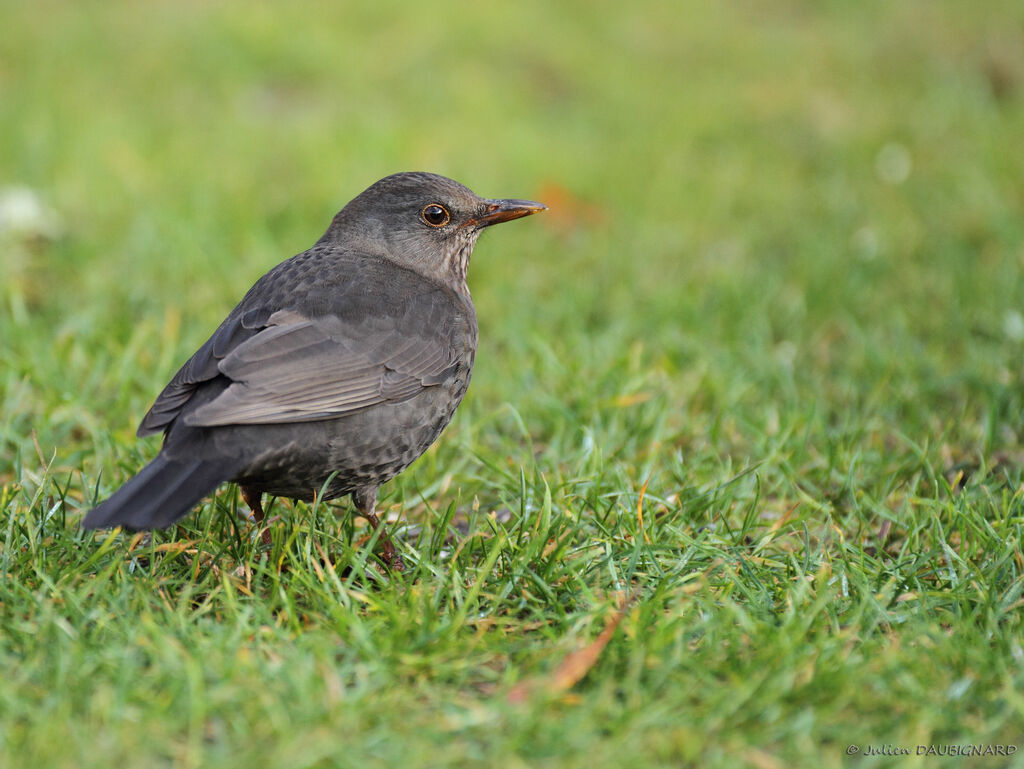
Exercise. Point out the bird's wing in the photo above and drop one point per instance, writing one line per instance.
(320, 335)
(201, 367)
(299, 369)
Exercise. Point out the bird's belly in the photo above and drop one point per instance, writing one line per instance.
(365, 448)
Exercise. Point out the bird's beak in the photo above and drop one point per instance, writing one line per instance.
(498, 211)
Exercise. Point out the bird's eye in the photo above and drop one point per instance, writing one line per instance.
(435, 215)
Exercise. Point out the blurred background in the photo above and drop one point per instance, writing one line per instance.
(766, 217)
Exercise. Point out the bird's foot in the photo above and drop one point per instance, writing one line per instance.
(254, 499)
(387, 548)
(365, 500)
(390, 555)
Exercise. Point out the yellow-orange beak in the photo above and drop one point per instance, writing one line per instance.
(498, 211)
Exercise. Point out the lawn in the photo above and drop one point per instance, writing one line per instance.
(737, 481)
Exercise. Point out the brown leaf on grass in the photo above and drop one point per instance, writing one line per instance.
(188, 548)
(576, 664)
(567, 210)
(632, 399)
(783, 519)
(760, 759)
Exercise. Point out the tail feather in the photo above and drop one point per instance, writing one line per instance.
(162, 492)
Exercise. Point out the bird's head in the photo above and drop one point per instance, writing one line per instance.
(423, 221)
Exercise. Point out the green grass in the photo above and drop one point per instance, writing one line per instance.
(779, 287)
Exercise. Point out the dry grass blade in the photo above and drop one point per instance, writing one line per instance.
(640, 510)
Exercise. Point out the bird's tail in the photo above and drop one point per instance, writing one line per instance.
(162, 492)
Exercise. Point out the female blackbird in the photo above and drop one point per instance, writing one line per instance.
(337, 369)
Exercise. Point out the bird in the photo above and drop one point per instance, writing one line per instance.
(337, 369)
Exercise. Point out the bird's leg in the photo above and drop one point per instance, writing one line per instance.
(254, 499)
(365, 500)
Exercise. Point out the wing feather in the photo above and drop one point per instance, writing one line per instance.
(373, 339)
(302, 372)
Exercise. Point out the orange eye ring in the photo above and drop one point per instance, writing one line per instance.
(435, 215)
